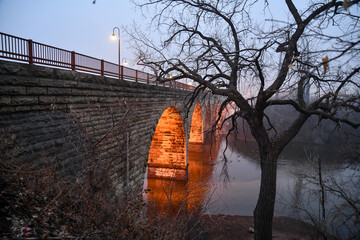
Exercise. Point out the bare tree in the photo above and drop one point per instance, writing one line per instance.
(238, 49)
(331, 202)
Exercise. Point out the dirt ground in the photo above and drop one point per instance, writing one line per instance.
(226, 227)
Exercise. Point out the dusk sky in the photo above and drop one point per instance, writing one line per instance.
(77, 25)
(80, 25)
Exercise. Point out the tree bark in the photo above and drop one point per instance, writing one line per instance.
(264, 211)
(322, 203)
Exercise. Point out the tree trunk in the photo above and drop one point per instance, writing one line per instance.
(264, 211)
(322, 202)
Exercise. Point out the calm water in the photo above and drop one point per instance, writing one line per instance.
(233, 189)
(236, 191)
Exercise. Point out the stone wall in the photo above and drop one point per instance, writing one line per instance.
(76, 120)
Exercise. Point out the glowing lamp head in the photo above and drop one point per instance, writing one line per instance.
(113, 37)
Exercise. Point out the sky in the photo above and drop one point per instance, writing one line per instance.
(75, 25)
(80, 25)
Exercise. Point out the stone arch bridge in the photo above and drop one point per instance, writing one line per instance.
(75, 120)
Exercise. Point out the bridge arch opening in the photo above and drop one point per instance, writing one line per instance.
(196, 139)
(167, 155)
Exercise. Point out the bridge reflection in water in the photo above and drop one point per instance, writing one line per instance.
(171, 196)
(171, 187)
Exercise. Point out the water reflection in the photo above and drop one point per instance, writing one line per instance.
(170, 196)
(238, 195)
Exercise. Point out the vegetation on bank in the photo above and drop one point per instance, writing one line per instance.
(40, 202)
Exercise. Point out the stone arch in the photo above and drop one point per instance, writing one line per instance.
(196, 139)
(167, 154)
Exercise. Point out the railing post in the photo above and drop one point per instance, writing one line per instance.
(136, 75)
(121, 72)
(30, 48)
(102, 67)
(73, 60)
(147, 78)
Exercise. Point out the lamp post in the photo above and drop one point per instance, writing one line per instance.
(113, 36)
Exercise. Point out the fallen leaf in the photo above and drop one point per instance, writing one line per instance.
(325, 63)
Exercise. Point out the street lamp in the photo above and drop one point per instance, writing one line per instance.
(113, 37)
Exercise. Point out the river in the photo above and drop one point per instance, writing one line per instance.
(233, 188)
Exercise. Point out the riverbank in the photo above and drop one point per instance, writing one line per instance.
(228, 227)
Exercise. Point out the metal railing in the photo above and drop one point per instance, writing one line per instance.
(26, 50)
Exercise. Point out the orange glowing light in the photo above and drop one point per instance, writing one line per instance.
(170, 197)
(167, 150)
(196, 131)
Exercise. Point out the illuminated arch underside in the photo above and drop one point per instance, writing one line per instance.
(167, 156)
(196, 131)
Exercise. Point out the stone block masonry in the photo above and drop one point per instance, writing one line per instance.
(73, 120)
